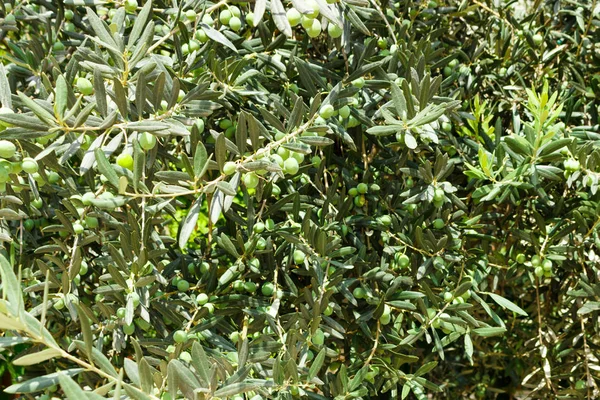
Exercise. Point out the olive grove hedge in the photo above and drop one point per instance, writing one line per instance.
(299, 199)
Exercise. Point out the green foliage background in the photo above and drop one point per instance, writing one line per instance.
(439, 239)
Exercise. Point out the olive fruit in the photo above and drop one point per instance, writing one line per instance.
(251, 180)
(439, 223)
(318, 338)
(250, 287)
(293, 16)
(28, 224)
(250, 18)
(259, 227)
(315, 29)
(267, 289)
(84, 86)
(131, 5)
(359, 83)
(7, 149)
(78, 228)
(359, 293)
(334, 31)
(385, 220)
(235, 23)
(299, 256)
(183, 285)
(225, 16)
(180, 336)
(29, 165)
(520, 258)
(129, 329)
(547, 265)
(147, 140)
(403, 260)
(344, 112)
(125, 160)
(326, 111)
(291, 166)
(438, 195)
(190, 15)
(202, 299)
(314, 7)
(229, 168)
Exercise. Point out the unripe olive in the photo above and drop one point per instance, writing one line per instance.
(180, 336)
(225, 16)
(125, 160)
(129, 329)
(293, 16)
(84, 86)
(7, 149)
(318, 338)
(299, 256)
(229, 168)
(183, 285)
(29, 165)
(334, 31)
(251, 180)
(235, 24)
(438, 195)
(359, 293)
(403, 260)
(326, 111)
(291, 166)
(315, 29)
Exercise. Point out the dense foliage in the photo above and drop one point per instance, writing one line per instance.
(299, 199)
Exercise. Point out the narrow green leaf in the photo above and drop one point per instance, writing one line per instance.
(36, 358)
(200, 161)
(11, 287)
(188, 226)
(488, 332)
(106, 169)
(507, 304)
(41, 382)
(61, 94)
(317, 364)
(217, 36)
(70, 388)
(5, 95)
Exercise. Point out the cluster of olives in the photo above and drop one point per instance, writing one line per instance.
(439, 323)
(8, 151)
(343, 113)
(311, 23)
(289, 161)
(358, 194)
(386, 316)
(542, 266)
(449, 297)
(449, 69)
